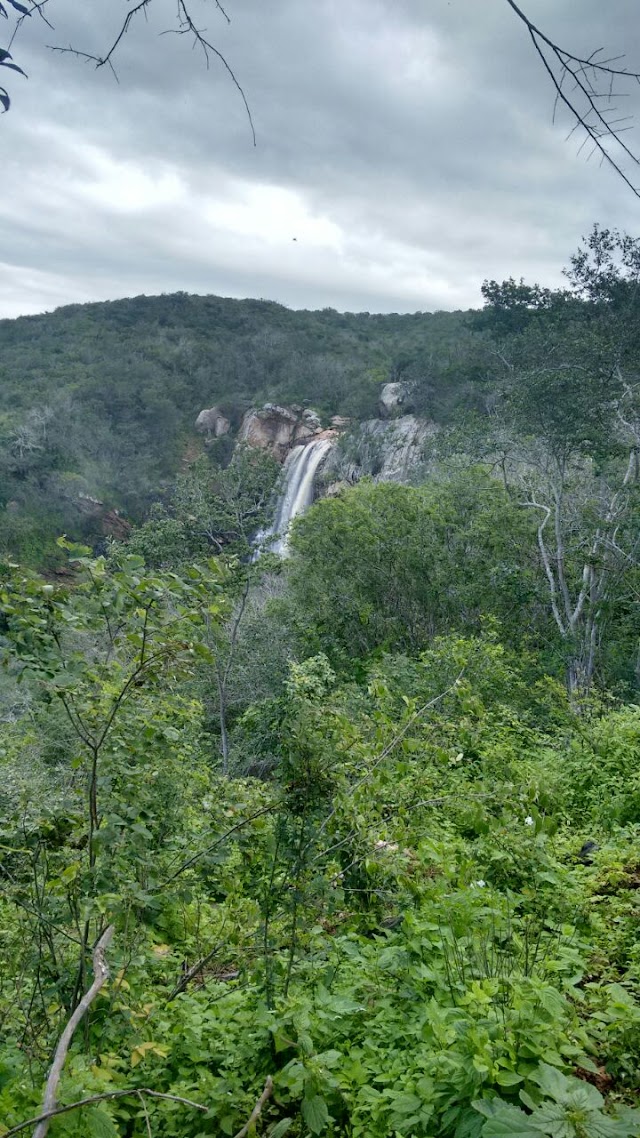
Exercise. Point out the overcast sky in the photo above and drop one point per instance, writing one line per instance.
(406, 145)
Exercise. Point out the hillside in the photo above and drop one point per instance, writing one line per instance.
(99, 400)
(352, 824)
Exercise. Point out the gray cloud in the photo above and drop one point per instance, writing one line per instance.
(408, 147)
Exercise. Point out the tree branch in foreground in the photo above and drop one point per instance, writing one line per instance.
(141, 1092)
(134, 1092)
(100, 975)
(186, 26)
(257, 1110)
(593, 80)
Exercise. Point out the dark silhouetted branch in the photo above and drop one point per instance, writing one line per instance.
(591, 80)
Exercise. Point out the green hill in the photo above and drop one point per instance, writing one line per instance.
(98, 401)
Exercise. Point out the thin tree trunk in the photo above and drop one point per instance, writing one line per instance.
(222, 717)
(100, 975)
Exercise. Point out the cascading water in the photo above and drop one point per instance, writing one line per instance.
(296, 496)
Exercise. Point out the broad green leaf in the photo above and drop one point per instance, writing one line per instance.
(98, 1124)
(584, 1096)
(280, 1128)
(469, 1126)
(554, 1119)
(552, 1082)
(509, 1122)
(508, 1078)
(405, 1103)
(599, 1125)
(315, 1114)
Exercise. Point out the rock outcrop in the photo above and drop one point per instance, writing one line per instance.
(387, 450)
(335, 489)
(278, 429)
(395, 399)
(213, 423)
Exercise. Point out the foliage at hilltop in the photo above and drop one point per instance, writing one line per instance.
(361, 827)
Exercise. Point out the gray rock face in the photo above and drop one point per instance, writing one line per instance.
(388, 450)
(212, 422)
(335, 489)
(395, 399)
(278, 429)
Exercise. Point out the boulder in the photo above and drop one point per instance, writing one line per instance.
(89, 505)
(114, 525)
(395, 399)
(212, 422)
(278, 429)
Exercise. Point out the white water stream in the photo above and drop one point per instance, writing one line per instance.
(296, 495)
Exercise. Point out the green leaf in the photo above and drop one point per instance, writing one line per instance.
(469, 1126)
(404, 1103)
(552, 1082)
(315, 1114)
(508, 1122)
(280, 1128)
(584, 1096)
(508, 1078)
(100, 1124)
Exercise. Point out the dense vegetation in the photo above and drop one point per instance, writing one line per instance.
(98, 401)
(357, 833)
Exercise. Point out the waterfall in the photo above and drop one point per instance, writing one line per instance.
(296, 494)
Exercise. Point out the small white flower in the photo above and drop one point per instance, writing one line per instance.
(528, 820)
(479, 884)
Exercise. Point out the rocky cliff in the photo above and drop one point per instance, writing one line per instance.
(388, 450)
(278, 429)
(392, 448)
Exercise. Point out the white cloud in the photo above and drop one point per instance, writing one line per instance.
(408, 148)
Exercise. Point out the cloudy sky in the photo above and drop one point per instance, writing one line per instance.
(407, 146)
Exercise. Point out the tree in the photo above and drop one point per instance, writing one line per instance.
(215, 510)
(107, 649)
(387, 567)
(571, 398)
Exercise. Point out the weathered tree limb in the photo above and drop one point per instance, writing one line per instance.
(100, 975)
(553, 592)
(105, 1097)
(257, 1110)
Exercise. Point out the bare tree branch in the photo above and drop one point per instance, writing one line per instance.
(186, 26)
(107, 1096)
(587, 75)
(257, 1110)
(100, 975)
(546, 563)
